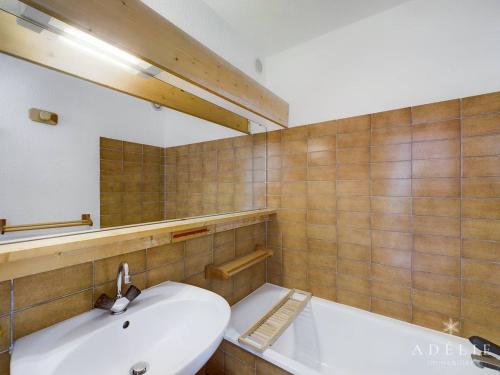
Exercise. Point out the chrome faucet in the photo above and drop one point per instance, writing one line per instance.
(122, 270)
(120, 303)
(488, 356)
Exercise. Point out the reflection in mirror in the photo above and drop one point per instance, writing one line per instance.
(144, 183)
(111, 159)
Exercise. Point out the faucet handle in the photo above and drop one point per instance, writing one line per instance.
(104, 302)
(484, 345)
(117, 306)
(132, 293)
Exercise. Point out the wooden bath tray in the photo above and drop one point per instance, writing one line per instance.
(269, 328)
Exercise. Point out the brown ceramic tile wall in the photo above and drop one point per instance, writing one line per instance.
(142, 183)
(301, 180)
(353, 211)
(395, 212)
(436, 213)
(44, 299)
(131, 183)
(273, 200)
(229, 359)
(5, 325)
(390, 219)
(225, 175)
(481, 215)
(403, 219)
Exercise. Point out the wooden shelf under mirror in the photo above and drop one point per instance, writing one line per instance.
(229, 269)
(20, 258)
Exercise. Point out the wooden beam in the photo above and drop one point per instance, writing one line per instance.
(134, 27)
(51, 51)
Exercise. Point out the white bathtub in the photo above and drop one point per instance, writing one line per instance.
(331, 338)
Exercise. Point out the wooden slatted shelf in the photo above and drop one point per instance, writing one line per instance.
(231, 268)
(269, 328)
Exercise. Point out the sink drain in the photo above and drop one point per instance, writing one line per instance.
(139, 368)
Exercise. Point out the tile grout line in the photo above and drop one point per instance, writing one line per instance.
(142, 182)
(233, 281)
(336, 214)
(280, 233)
(93, 281)
(164, 166)
(11, 316)
(370, 278)
(58, 298)
(308, 265)
(265, 178)
(461, 321)
(122, 183)
(217, 151)
(212, 247)
(265, 245)
(412, 253)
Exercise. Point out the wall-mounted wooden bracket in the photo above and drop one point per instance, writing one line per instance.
(192, 233)
(231, 268)
(44, 117)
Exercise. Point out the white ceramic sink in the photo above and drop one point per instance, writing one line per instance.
(174, 328)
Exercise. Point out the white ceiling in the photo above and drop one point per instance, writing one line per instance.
(272, 26)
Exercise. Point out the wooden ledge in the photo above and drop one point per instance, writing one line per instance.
(47, 253)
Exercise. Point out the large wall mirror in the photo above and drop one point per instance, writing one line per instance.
(114, 158)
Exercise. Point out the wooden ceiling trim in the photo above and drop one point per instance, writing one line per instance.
(54, 53)
(134, 27)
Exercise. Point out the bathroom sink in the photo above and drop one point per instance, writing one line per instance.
(171, 328)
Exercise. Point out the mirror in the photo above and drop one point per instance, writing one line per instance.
(75, 153)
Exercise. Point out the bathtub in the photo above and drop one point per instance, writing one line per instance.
(331, 338)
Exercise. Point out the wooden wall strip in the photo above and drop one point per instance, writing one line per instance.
(134, 27)
(54, 53)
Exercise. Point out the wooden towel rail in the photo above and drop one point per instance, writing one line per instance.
(85, 220)
(231, 268)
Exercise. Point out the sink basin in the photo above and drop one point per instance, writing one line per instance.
(171, 328)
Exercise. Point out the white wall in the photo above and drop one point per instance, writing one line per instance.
(52, 173)
(419, 52)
